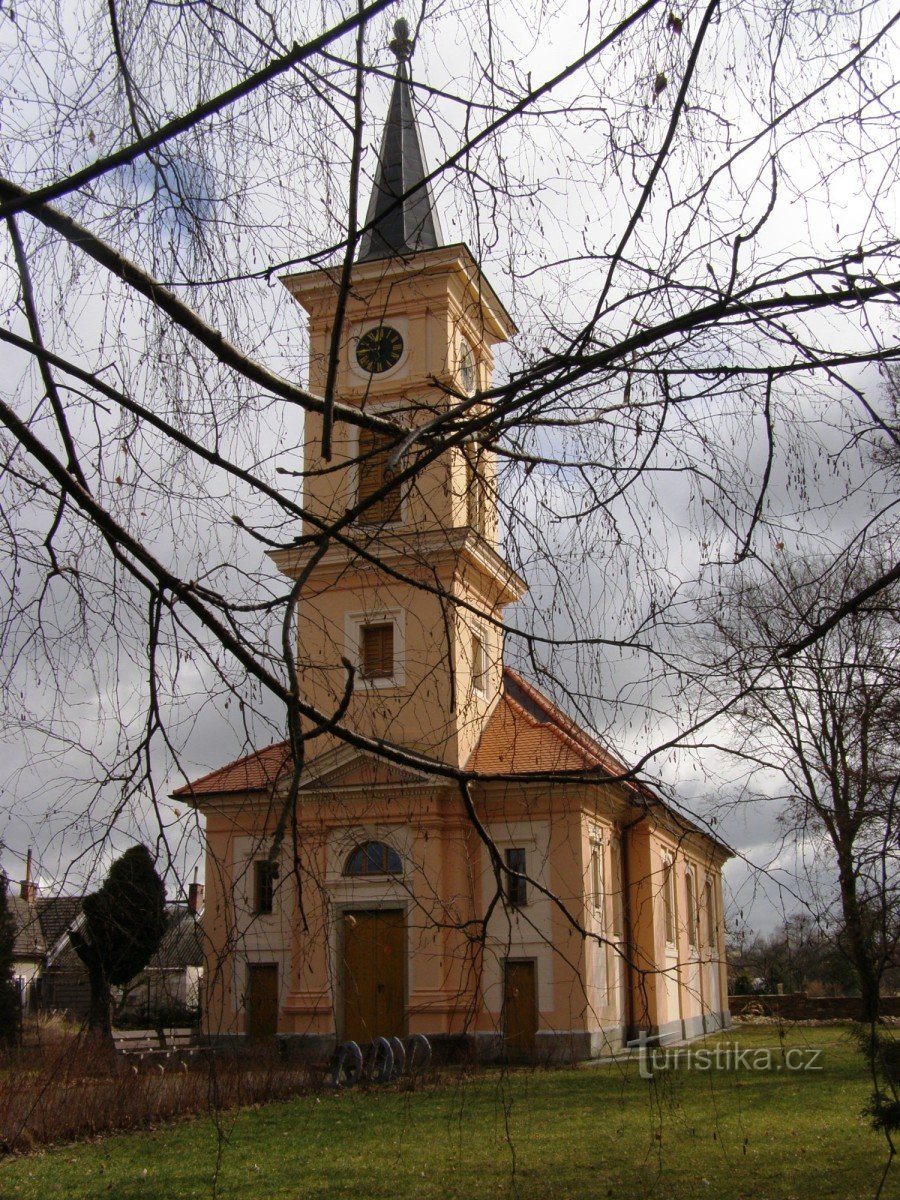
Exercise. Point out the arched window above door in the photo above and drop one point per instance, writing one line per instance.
(373, 858)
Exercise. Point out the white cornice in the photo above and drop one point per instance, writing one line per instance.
(312, 287)
(420, 548)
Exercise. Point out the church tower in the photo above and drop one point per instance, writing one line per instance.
(410, 589)
(388, 915)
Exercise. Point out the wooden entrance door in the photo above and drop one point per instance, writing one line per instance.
(374, 976)
(520, 1013)
(262, 1000)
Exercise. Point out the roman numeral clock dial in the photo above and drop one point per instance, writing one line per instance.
(379, 349)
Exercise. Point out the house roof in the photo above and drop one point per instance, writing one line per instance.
(42, 926)
(182, 945)
(28, 938)
(57, 915)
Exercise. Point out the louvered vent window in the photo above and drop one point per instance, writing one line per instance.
(376, 650)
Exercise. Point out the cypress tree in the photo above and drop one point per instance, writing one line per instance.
(124, 922)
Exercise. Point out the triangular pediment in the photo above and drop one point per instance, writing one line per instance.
(351, 768)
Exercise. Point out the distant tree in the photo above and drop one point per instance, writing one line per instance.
(742, 985)
(823, 716)
(123, 925)
(9, 1000)
(802, 955)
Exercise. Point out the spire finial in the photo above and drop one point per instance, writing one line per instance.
(402, 44)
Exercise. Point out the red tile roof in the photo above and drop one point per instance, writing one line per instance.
(255, 772)
(525, 734)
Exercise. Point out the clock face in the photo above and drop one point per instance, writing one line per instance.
(379, 349)
(466, 367)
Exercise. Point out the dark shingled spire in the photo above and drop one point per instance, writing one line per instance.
(411, 225)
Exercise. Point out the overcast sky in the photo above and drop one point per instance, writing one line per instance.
(567, 188)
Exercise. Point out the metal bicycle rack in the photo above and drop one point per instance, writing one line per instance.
(386, 1059)
(348, 1065)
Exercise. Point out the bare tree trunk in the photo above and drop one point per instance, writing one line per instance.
(100, 1011)
(859, 944)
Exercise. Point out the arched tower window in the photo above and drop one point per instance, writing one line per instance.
(373, 858)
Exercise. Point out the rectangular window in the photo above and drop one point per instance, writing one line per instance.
(516, 887)
(264, 875)
(374, 452)
(669, 901)
(618, 900)
(479, 664)
(711, 937)
(376, 650)
(597, 877)
(691, 909)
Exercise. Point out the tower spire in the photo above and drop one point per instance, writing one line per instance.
(400, 226)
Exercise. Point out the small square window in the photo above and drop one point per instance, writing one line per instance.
(516, 884)
(264, 875)
(376, 650)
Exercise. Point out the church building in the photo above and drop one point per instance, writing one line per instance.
(514, 899)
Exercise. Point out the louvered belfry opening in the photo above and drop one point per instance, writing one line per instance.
(473, 491)
(374, 453)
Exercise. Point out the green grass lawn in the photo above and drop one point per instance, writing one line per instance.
(586, 1132)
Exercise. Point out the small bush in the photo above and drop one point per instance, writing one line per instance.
(75, 1087)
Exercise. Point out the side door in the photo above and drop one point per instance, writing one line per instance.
(520, 1010)
(262, 1000)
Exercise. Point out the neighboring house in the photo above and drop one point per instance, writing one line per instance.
(41, 925)
(29, 947)
(537, 908)
(53, 977)
(171, 980)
